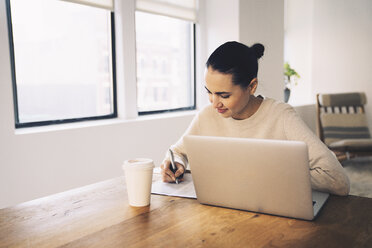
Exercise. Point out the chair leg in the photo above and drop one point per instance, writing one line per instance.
(341, 156)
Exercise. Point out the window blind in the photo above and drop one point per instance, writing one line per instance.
(104, 4)
(182, 9)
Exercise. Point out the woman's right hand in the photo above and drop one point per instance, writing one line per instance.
(168, 175)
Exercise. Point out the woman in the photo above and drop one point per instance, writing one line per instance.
(231, 81)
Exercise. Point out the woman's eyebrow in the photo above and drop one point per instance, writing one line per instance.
(218, 92)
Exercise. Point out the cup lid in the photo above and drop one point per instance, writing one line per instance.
(139, 163)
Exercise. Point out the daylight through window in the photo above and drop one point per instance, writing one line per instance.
(165, 63)
(62, 61)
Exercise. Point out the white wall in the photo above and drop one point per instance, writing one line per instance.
(342, 50)
(262, 21)
(298, 30)
(331, 47)
(222, 20)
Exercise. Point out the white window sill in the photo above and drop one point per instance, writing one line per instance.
(105, 122)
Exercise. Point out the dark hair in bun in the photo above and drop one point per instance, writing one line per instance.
(258, 49)
(238, 60)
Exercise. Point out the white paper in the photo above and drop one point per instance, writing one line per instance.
(182, 189)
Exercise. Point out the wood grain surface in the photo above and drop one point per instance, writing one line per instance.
(98, 215)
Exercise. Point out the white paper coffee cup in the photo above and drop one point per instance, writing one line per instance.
(138, 177)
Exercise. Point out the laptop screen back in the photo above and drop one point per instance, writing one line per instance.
(260, 175)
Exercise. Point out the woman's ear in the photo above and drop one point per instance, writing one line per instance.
(253, 86)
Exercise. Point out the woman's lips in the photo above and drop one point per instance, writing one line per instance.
(221, 111)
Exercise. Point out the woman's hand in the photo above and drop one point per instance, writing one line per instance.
(168, 175)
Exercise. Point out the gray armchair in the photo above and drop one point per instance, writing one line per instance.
(342, 124)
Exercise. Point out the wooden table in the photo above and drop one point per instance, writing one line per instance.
(99, 216)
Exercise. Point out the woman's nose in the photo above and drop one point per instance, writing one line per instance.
(216, 101)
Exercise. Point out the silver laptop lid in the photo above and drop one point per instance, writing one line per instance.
(260, 175)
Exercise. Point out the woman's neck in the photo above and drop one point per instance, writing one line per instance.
(253, 105)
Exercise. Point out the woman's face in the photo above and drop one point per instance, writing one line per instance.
(228, 99)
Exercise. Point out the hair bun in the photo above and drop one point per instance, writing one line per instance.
(258, 49)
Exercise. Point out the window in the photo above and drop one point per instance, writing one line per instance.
(62, 61)
(165, 50)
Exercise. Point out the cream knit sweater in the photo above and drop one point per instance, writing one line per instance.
(273, 120)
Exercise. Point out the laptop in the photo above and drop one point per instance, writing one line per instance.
(258, 175)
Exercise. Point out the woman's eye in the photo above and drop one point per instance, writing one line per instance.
(225, 96)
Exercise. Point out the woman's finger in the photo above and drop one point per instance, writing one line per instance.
(180, 170)
(167, 174)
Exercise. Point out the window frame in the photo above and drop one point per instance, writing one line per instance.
(193, 83)
(114, 114)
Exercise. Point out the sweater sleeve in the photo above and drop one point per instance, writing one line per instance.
(326, 172)
(178, 148)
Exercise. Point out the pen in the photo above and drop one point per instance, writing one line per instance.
(174, 168)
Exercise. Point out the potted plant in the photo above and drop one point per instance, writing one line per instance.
(289, 75)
